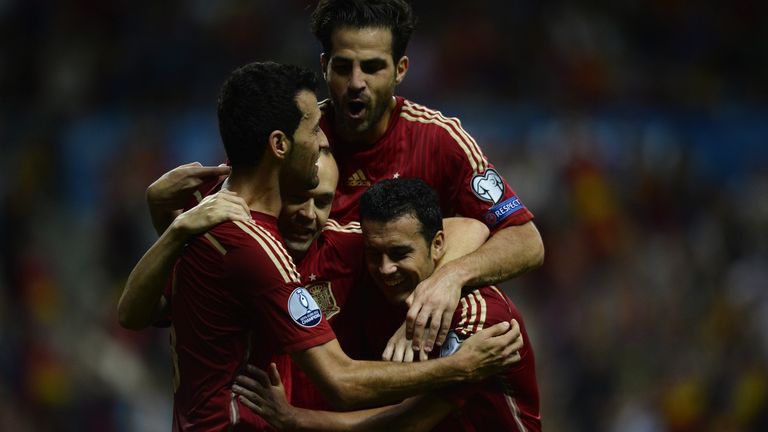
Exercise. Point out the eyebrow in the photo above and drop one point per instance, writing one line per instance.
(338, 58)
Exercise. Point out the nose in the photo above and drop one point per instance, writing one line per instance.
(387, 266)
(323, 144)
(307, 211)
(357, 79)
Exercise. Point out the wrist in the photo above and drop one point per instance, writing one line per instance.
(458, 271)
(178, 231)
(461, 368)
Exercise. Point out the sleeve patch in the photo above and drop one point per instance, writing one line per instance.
(503, 210)
(488, 186)
(303, 309)
(451, 345)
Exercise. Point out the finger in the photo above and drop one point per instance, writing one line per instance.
(517, 344)
(514, 358)
(249, 383)
(423, 356)
(274, 375)
(423, 341)
(410, 299)
(399, 353)
(191, 164)
(388, 351)
(445, 327)
(408, 355)
(208, 171)
(258, 375)
(255, 408)
(496, 330)
(410, 319)
(514, 328)
(420, 327)
(435, 326)
(248, 394)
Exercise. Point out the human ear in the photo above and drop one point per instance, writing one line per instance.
(401, 68)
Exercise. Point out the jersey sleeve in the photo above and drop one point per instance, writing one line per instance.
(478, 309)
(475, 186)
(268, 285)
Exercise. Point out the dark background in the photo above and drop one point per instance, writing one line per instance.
(637, 133)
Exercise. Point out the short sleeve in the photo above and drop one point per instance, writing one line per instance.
(268, 285)
(476, 187)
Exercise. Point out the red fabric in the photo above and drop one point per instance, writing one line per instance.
(422, 143)
(230, 309)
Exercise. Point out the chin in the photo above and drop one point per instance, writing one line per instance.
(297, 248)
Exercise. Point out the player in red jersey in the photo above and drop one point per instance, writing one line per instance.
(403, 233)
(329, 256)
(237, 296)
(375, 135)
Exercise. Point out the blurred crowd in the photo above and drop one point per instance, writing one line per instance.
(637, 133)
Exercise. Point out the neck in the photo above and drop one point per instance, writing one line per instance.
(258, 186)
(369, 136)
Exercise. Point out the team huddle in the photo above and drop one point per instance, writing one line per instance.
(339, 234)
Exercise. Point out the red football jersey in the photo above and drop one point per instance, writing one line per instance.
(237, 299)
(420, 142)
(509, 401)
(332, 271)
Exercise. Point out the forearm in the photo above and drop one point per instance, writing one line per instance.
(509, 252)
(350, 383)
(305, 420)
(421, 413)
(462, 236)
(141, 296)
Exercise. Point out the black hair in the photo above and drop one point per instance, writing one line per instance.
(391, 199)
(256, 100)
(395, 15)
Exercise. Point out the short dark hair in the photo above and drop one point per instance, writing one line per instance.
(256, 100)
(395, 15)
(391, 199)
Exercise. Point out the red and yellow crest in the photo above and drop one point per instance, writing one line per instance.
(323, 295)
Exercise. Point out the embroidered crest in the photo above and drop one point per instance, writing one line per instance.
(303, 308)
(489, 186)
(322, 292)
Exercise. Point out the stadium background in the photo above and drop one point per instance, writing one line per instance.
(637, 133)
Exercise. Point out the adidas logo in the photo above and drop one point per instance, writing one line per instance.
(358, 179)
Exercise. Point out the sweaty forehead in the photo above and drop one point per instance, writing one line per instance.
(361, 43)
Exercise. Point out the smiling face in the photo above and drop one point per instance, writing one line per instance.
(300, 170)
(305, 212)
(361, 78)
(398, 256)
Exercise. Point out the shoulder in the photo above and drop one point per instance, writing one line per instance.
(347, 238)
(479, 308)
(446, 133)
(253, 246)
(334, 228)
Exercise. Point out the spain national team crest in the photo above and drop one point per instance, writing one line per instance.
(323, 293)
(488, 186)
(303, 308)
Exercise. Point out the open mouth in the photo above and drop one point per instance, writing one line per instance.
(356, 108)
(301, 234)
